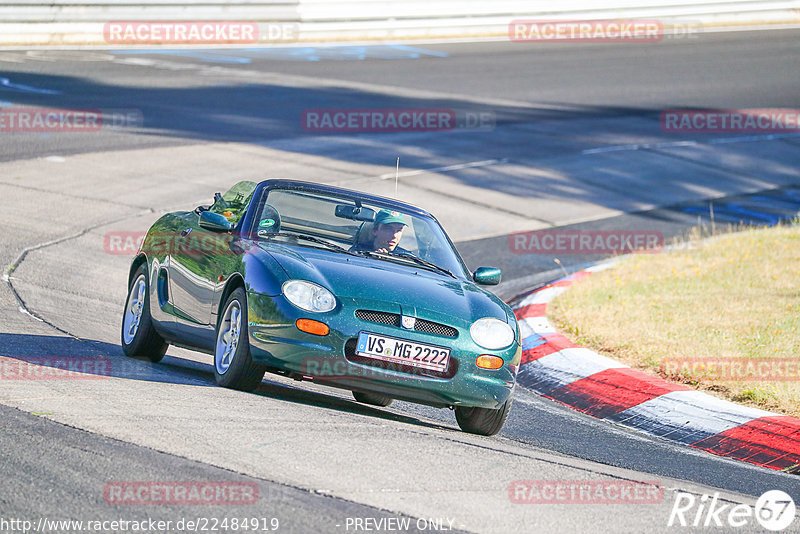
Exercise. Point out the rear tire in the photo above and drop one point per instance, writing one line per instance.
(483, 421)
(139, 338)
(233, 365)
(372, 398)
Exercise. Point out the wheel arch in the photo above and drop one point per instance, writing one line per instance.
(135, 264)
(235, 281)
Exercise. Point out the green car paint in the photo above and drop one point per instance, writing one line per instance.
(192, 269)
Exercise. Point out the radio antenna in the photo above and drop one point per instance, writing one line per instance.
(396, 176)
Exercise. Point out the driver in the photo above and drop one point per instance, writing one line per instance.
(387, 231)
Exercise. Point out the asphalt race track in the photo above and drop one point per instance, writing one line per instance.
(547, 135)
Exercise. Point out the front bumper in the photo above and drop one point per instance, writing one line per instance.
(278, 343)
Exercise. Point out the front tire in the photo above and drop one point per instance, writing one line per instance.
(139, 337)
(372, 398)
(233, 365)
(483, 421)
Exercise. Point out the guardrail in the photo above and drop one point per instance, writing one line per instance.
(31, 22)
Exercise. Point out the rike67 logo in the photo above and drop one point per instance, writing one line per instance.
(774, 511)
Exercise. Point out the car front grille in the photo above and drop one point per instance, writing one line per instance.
(350, 354)
(391, 319)
(435, 328)
(394, 319)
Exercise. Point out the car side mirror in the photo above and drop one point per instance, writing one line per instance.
(215, 222)
(487, 276)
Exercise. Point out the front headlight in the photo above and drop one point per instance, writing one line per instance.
(309, 296)
(491, 333)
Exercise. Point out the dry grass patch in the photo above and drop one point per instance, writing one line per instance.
(733, 298)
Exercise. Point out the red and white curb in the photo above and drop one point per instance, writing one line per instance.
(603, 388)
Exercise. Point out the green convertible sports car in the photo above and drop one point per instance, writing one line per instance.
(325, 284)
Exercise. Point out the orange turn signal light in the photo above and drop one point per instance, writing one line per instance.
(312, 327)
(486, 361)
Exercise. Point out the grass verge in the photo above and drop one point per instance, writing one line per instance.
(721, 315)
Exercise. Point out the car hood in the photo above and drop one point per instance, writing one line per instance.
(407, 289)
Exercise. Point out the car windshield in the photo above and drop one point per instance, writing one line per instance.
(382, 233)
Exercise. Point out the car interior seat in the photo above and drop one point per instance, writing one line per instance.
(364, 234)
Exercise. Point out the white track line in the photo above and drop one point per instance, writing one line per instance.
(717, 141)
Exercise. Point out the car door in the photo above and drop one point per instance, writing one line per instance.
(193, 276)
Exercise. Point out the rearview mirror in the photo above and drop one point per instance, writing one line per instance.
(215, 222)
(487, 276)
(355, 213)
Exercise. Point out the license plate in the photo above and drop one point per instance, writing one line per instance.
(391, 349)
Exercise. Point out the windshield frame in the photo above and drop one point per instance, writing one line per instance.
(248, 223)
